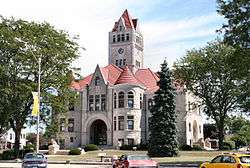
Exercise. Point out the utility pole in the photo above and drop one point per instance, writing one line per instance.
(38, 114)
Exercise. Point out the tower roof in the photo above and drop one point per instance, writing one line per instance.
(127, 77)
(128, 21)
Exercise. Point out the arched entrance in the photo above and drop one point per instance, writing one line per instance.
(195, 131)
(98, 132)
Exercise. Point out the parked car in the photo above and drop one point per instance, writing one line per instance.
(234, 160)
(135, 161)
(34, 160)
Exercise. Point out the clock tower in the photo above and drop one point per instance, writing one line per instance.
(126, 43)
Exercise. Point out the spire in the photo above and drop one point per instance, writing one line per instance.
(127, 77)
(128, 21)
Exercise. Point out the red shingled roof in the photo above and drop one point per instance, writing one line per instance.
(115, 75)
(129, 22)
(127, 77)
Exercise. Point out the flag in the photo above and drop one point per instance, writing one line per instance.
(35, 109)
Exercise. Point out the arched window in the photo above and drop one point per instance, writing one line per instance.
(97, 81)
(115, 100)
(189, 127)
(121, 100)
(130, 99)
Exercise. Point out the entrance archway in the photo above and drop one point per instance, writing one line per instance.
(195, 131)
(98, 132)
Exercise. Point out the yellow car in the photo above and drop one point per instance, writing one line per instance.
(235, 160)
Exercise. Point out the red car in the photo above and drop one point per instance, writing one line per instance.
(135, 161)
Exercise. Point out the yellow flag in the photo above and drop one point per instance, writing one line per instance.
(35, 109)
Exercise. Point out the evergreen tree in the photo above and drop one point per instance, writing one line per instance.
(162, 123)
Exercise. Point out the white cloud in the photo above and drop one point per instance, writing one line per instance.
(93, 19)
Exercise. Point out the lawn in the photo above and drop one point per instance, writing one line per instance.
(184, 156)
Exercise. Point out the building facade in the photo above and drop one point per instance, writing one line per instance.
(115, 101)
(7, 141)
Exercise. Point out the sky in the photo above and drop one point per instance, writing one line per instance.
(170, 27)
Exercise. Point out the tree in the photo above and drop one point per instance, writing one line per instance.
(237, 13)
(21, 44)
(209, 74)
(235, 124)
(162, 123)
(236, 34)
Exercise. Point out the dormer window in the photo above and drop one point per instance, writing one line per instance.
(113, 38)
(120, 28)
(97, 81)
(123, 37)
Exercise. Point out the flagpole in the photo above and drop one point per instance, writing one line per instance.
(38, 114)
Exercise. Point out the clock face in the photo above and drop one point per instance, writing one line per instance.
(120, 50)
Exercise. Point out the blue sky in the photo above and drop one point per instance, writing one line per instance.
(170, 27)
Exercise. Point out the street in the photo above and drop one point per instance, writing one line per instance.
(18, 165)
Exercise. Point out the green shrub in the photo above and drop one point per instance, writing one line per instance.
(185, 147)
(75, 151)
(29, 148)
(227, 146)
(126, 147)
(9, 155)
(142, 147)
(90, 147)
(197, 148)
(231, 144)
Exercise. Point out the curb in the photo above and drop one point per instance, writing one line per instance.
(62, 162)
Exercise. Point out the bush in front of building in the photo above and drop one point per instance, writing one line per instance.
(197, 148)
(185, 147)
(228, 145)
(75, 151)
(9, 155)
(29, 148)
(90, 147)
(126, 147)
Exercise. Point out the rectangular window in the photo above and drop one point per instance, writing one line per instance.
(120, 62)
(91, 103)
(71, 139)
(113, 38)
(103, 102)
(138, 64)
(130, 121)
(71, 106)
(116, 62)
(124, 61)
(118, 38)
(130, 141)
(62, 125)
(140, 101)
(114, 123)
(10, 136)
(71, 124)
(97, 102)
(127, 37)
(123, 37)
(121, 123)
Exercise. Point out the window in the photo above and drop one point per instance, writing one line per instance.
(189, 127)
(114, 123)
(103, 102)
(123, 37)
(120, 62)
(124, 61)
(140, 101)
(120, 122)
(62, 125)
(138, 64)
(11, 136)
(113, 38)
(130, 121)
(116, 62)
(71, 124)
(228, 159)
(200, 128)
(115, 100)
(71, 139)
(121, 100)
(130, 141)
(97, 81)
(97, 102)
(217, 159)
(120, 28)
(150, 104)
(130, 99)
(71, 106)
(118, 38)
(91, 103)
(127, 37)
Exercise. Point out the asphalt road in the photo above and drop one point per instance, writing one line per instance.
(18, 165)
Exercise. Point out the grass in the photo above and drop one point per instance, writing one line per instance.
(184, 156)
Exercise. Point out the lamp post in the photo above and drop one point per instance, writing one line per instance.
(38, 114)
